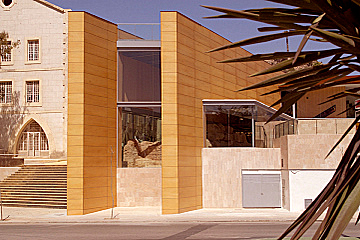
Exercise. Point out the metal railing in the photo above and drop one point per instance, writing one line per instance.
(286, 128)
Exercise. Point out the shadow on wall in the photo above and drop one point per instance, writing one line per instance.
(11, 117)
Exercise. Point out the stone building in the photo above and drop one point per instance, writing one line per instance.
(36, 74)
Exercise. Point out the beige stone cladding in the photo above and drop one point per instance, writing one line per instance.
(139, 187)
(324, 126)
(91, 162)
(222, 169)
(189, 75)
(36, 20)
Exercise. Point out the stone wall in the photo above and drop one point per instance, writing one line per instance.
(139, 187)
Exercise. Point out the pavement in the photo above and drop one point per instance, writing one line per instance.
(146, 214)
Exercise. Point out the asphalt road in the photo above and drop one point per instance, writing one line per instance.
(173, 231)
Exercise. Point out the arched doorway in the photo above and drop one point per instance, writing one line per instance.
(33, 141)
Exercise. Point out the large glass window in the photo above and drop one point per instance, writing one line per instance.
(141, 136)
(139, 76)
(228, 126)
(239, 123)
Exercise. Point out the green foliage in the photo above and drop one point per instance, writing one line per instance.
(336, 22)
(5, 47)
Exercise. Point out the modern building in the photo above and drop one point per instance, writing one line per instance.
(151, 123)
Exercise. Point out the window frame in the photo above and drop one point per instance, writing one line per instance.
(12, 91)
(34, 104)
(27, 61)
(7, 8)
(7, 63)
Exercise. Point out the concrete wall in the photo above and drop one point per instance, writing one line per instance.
(306, 185)
(139, 187)
(303, 164)
(189, 75)
(309, 151)
(29, 19)
(222, 169)
(92, 113)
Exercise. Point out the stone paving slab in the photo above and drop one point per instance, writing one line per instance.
(147, 214)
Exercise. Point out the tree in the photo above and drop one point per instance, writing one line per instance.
(11, 115)
(332, 21)
(5, 48)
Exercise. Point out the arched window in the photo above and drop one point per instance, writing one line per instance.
(33, 141)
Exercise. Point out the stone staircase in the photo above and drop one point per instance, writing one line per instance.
(36, 186)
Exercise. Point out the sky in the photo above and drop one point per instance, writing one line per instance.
(148, 11)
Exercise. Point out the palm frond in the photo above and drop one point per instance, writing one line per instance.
(332, 21)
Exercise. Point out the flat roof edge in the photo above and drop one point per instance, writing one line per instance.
(138, 43)
(213, 102)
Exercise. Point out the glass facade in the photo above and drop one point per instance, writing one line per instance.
(228, 126)
(139, 76)
(139, 96)
(141, 136)
(236, 123)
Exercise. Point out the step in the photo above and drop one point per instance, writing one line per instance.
(34, 197)
(27, 188)
(35, 205)
(34, 200)
(42, 185)
(24, 178)
(35, 180)
(41, 172)
(36, 186)
(10, 193)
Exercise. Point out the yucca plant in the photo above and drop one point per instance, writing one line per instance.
(331, 21)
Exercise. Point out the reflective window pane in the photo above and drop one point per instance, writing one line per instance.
(139, 76)
(228, 126)
(141, 137)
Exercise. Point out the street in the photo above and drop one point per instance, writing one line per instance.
(216, 230)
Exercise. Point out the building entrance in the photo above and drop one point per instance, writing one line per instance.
(33, 141)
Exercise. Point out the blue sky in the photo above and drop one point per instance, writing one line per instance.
(148, 11)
